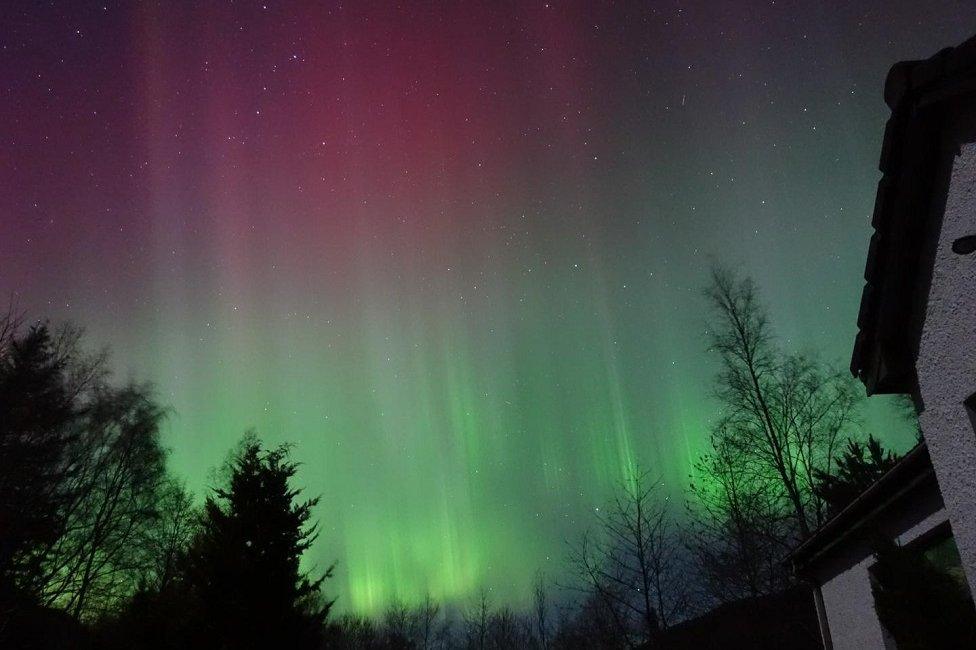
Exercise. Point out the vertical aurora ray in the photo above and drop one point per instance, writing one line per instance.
(452, 253)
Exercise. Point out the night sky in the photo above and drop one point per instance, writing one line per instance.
(454, 253)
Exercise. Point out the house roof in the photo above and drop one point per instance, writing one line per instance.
(911, 471)
(786, 619)
(896, 274)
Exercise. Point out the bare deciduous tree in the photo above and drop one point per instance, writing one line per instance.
(738, 529)
(118, 471)
(509, 630)
(426, 622)
(164, 542)
(46, 385)
(80, 466)
(784, 414)
(540, 608)
(475, 621)
(630, 562)
(401, 626)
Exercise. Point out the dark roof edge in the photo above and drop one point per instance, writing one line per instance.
(911, 469)
(923, 80)
(881, 357)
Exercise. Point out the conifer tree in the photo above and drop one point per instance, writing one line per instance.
(36, 411)
(856, 469)
(244, 566)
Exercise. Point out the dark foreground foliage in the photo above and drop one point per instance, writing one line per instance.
(921, 606)
(100, 548)
(855, 470)
(239, 584)
(786, 619)
(82, 478)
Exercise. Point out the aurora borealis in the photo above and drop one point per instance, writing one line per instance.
(453, 253)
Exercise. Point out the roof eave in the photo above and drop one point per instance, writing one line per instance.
(882, 357)
(912, 469)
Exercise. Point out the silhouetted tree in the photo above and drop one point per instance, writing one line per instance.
(508, 630)
(855, 470)
(541, 611)
(486, 628)
(80, 468)
(421, 626)
(154, 618)
(905, 408)
(38, 409)
(475, 621)
(922, 607)
(398, 626)
(783, 412)
(164, 545)
(117, 478)
(351, 632)
(428, 631)
(739, 526)
(592, 623)
(243, 567)
(631, 561)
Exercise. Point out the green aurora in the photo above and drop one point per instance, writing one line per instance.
(454, 257)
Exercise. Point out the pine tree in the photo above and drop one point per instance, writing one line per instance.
(243, 568)
(36, 411)
(855, 470)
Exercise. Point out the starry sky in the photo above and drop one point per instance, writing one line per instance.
(453, 252)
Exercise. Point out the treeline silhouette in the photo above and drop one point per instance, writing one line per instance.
(101, 547)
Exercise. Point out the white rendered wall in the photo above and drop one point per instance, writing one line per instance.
(946, 363)
(846, 581)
